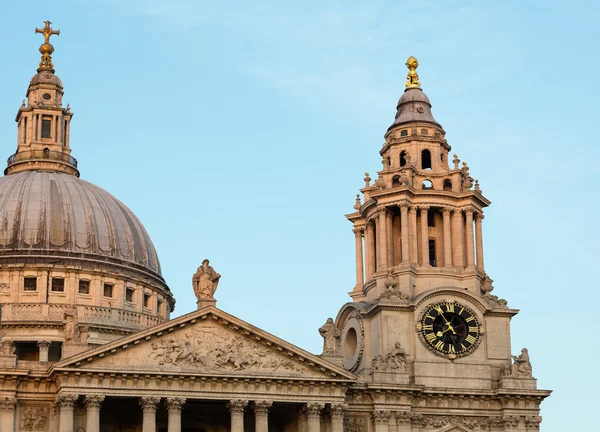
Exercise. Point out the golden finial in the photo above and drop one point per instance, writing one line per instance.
(46, 49)
(412, 79)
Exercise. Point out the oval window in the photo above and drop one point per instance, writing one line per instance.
(47, 96)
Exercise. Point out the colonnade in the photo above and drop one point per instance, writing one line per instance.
(309, 417)
(462, 239)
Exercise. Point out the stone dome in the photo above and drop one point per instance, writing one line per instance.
(46, 77)
(413, 106)
(57, 214)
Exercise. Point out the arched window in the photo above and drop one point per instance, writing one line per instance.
(447, 185)
(389, 162)
(427, 184)
(403, 158)
(395, 181)
(426, 159)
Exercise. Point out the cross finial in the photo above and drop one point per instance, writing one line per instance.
(47, 31)
(46, 48)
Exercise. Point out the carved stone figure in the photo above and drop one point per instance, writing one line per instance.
(83, 333)
(394, 361)
(70, 328)
(33, 419)
(205, 281)
(487, 288)
(521, 365)
(8, 347)
(331, 337)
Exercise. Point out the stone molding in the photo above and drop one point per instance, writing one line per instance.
(237, 406)
(262, 407)
(175, 404)
(93, 401)
(149, 403)
(7, 404)
(314, 408)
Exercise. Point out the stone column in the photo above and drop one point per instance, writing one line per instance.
(358, 234)
(382, 262)
(458, 257)
(92, 412)
(532, 423)
(66, 403)
(404, 233)
(469, 238)
(381, 419)
(370, 247)
(43, 347)
(390, 238)
(447, 238)
(302, 420)
(174, 406)
(7, 414)
(403, 421)
(424, 236)
(479, 240)
(148, 404)
(313, 411)
(412, 224)
(337, 417)
(261, 415)
(236, 409)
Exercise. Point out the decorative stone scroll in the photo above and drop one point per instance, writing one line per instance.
(394, 361)
(392, 293)
(486, 289)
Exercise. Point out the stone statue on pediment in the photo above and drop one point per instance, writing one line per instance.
(205, 281)
(331, 337)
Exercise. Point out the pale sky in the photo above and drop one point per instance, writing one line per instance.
(241, 132)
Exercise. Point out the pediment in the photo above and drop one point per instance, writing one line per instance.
(206, 342)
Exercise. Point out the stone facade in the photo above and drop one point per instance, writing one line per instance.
(423, 345)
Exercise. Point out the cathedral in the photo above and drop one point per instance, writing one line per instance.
(88, 344)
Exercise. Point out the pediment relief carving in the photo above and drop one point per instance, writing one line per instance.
(208, 344)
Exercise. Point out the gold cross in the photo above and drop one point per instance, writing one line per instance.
(47, 31)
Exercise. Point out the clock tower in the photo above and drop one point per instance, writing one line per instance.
(424, 332)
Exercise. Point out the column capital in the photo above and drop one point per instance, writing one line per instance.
(412, 207)
(7, 404)
(381, 416)
(66, 400)
(424, 207)
(404, 204)
(533, 422)
(93, 401)
(358, 231)
(262, 407)
(237, 406)
(175, 403)
(403, 417)
(382, 211)
(447, 210)
(469, 210)
(314, 408)
(337, 410)
(43, 344)
(479, 216)
(149, 402)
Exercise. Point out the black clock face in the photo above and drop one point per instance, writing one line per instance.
(450, 329)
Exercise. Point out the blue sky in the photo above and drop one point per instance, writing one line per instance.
(241, 131)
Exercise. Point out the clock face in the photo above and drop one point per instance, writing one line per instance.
(449, 329)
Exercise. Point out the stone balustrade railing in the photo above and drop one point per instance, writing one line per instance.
(54, 313)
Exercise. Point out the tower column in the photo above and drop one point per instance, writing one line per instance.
(469, 237)
(261, 415)
(92, 412)
(479, 240)
(66, 402)
(7, 414)
(381, 418)
(382, 262)
(458, 257)
(337, 417)
(358, 234)
(313, 411)
(370, 249)
(148, 404)
(404, 232)
(412, 225)
(236, 410)
(447, 238)
(390, 238)
(424, 236)
(174, 406)
(43, 347)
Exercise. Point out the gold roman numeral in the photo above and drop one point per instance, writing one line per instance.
(461, 311)
(430, 337)
(428, 327)
(439, 345)
(451, 349)
(471, 318)
(439, 309)
(474, 329)
(450, 307)
(470, 339)
(429, 316)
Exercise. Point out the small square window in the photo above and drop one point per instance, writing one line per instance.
(147, 298)
(84, 287)
(129, 294)
(30, 284)
(58, 285)
(108, 290)
(404, 133)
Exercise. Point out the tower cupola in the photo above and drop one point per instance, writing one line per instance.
(43, 123)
